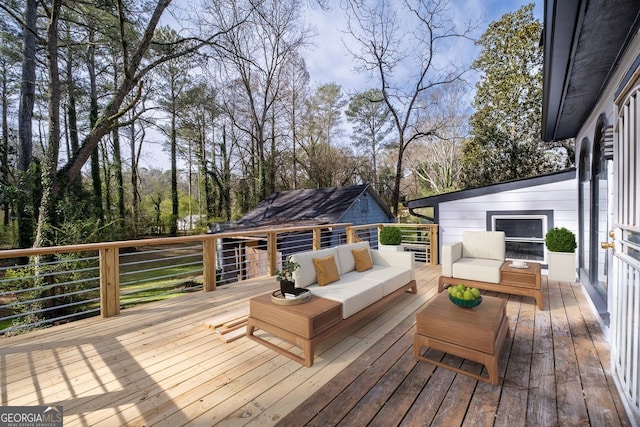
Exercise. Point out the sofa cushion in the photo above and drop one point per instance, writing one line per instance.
(305, 275)
(326, 270)
(391, 278)
(362, 259)
(354, 292)
(345, 256)
(479, 269)
(483, 244)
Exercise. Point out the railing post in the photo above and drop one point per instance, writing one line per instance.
(349, 232)
(433, 244)
(317, 239)
(272, 252)
(109, 282)
(209, 269)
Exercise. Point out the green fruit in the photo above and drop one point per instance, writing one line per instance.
(475, 292)
(468, 295)
(459, 294)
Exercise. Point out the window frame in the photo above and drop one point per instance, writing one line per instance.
(547, 223)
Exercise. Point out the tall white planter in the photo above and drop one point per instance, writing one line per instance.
(562, 266)
(391, 248)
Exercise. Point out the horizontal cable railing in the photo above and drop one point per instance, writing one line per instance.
(48, 290)
(41, 287)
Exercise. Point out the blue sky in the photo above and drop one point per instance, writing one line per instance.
(329, 61)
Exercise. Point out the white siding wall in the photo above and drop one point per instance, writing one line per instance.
(457, 216)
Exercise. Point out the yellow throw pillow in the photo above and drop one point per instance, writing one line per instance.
(362, 257)
(326, 270)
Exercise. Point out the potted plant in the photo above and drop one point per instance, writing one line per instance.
(285, 275)
(561, 246)
(390, 239)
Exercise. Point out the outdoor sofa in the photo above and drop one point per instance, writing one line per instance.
(391, 273)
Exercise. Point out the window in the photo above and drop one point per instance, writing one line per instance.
(524, 233)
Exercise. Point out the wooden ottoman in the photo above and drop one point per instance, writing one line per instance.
(476, 334)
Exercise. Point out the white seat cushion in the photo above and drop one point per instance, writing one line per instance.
(392, 278)
(479, 269)
(354, 292)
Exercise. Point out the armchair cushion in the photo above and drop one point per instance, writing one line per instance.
(478, 269)
(483, 244)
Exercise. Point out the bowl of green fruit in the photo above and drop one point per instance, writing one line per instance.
(464, 296)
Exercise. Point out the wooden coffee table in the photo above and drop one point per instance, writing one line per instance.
(476, 334)
(304, 325)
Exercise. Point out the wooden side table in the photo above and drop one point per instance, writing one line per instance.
(301, 324)
(526, 281)
(476, 334)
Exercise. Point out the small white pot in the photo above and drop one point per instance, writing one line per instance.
(562, 266)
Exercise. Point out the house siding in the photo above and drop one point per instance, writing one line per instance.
(456, 216)
(359, 213)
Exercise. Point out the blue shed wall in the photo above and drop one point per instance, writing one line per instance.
(365, 211)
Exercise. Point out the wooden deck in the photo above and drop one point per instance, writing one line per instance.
(160, 365)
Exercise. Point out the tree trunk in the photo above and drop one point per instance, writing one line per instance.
(25, 133)
(173, 227)
(72, 115)
(117, 170)
(4, 145)
(96, 182)
(47, 204)
(205, 181)
(135, 194)
(106, 172)
(395, 196)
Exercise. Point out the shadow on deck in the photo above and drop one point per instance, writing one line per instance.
(158, 364)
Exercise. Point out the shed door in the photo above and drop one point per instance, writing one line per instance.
(624, 304)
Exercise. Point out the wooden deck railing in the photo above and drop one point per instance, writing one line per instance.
(222, 257)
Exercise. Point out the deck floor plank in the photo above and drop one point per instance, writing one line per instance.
(600, 404)
(515, 391)
(569, 394)
(541, 408)
(158, 364)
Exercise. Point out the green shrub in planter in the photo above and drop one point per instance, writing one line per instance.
(560, 240)
(390, 236)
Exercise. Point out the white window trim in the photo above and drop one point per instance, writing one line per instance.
(543, 217)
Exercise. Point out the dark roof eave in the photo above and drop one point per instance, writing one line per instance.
(584, 41)
(560, 23)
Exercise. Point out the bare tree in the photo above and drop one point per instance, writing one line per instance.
(371, 119)
(438, 163)
(296, 93)
(399, 48)
(255, 58)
